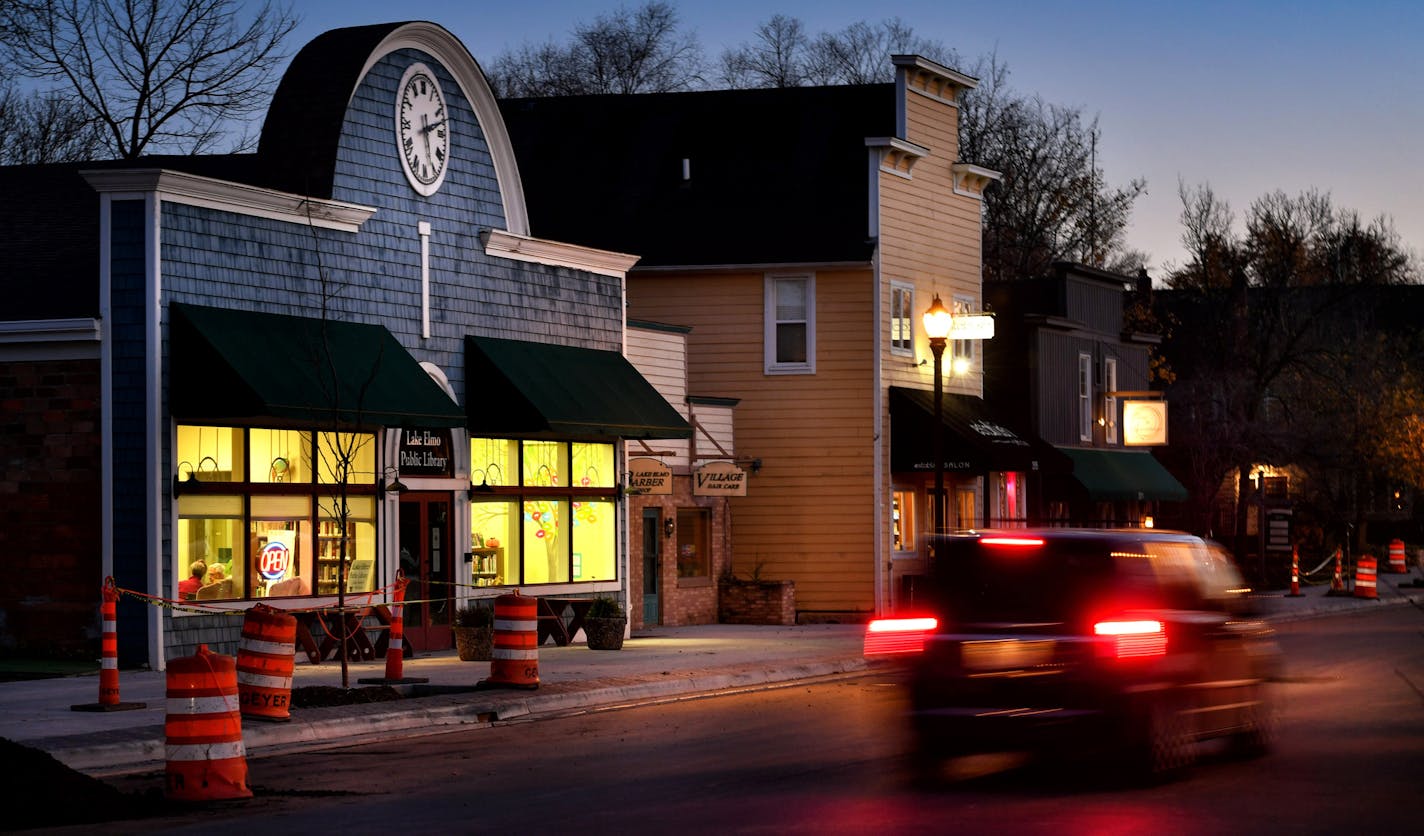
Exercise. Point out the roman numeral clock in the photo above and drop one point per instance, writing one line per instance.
(422, 129)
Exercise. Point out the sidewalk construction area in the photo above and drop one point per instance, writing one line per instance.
(657, 664)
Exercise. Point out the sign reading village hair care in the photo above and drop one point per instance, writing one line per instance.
(719, 479)
(425, 453)
(649, 476)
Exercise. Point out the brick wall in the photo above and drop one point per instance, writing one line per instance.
(758, 602)
(49, 490)
(683, 601)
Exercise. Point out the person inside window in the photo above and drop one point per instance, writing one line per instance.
(216, 574)
(188, 589)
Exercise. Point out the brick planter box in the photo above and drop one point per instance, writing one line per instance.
(756, 602)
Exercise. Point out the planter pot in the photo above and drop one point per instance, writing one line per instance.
(605, 633)
(474, 644)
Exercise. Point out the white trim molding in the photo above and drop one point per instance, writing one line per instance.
(971, 180)
(50, 339)
(505, 244)
(923, 76)
(896, 156)
(226, 196)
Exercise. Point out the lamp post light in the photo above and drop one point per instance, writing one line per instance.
(937, 322)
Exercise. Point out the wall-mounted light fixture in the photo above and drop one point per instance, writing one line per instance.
(669, 527)
(395, 485)
(485, 474)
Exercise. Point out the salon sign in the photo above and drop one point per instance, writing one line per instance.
(719, 479)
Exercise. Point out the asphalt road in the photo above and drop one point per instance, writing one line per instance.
(826, 758)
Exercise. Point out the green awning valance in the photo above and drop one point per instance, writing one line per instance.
(252, 368)
(974, 438)
(538, 390)
(1124, 474)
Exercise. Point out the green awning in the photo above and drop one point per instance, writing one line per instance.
(538, 390)
(1124, 474)
(273, 369)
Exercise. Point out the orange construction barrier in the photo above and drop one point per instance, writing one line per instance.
(1337, 583)
(265, 658)
(514, 661)
(1365, 577)
(1396, 557)
(395, 648)
(109, 656)
(203, 730)
(1295, 573)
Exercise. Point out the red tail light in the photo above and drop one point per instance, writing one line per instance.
(1029, 542)
(1134, 639)
(887, 636)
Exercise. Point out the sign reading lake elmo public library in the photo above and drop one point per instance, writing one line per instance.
(649, 476)
(1144, 423)
(719, 479)
(425, 453)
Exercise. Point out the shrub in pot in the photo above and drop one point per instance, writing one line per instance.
(604, 624)
(474, 632)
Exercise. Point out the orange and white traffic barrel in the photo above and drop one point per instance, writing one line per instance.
(514, 661)
(265, 657)
(203, 730)
(1397, 564)
(1365, 577)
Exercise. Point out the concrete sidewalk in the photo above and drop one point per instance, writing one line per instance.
(663, 663)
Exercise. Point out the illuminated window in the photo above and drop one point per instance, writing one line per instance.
(1109, 399)
(902, 318)
(694, 543)
(902, 521)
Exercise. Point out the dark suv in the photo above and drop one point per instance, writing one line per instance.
(1136, 641)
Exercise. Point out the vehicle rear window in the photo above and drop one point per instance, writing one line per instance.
(1055, 582)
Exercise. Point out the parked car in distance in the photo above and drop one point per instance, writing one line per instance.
(1135, 642)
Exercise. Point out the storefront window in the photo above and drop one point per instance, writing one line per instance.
(346, 457)
(210, 544)
(552, 521)
(279, 456)
(282, 538)
(210, 454)
(594, 541)
(902, 520)
(694, 554)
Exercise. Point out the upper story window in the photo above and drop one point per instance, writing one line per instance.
(902, 318)
(1085, 397)
(790, 337)
(963, 350)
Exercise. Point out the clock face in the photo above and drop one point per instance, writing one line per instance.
(422, 129)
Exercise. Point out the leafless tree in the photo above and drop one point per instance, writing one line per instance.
(154, 75)
(860, 53)
(44, 127)
(777, 56)
(638, 51)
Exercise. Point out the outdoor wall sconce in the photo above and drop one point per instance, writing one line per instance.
(484, 485)
(669, 527)
(395, 485)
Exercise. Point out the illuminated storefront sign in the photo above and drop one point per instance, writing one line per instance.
(1144, 423)
(649, 476)
(274, 560)
(425, 453)
(719, 479)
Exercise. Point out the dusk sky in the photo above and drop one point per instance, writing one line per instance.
(1247, 96)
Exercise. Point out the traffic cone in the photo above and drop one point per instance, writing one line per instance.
(1337, 583)
(109, 653)
(1295, 573)
(395, 649)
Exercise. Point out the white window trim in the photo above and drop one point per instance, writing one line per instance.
(1085, 397)
(770, 365)
(1109, 401)
(909, 315)
(964, 349)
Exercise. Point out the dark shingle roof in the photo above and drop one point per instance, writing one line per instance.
(777, 176)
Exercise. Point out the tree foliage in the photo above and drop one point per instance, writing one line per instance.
(44, 127)
(152, 75)
(640, 51)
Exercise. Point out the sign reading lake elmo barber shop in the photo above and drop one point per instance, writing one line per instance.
(649, 476)
(719, 479)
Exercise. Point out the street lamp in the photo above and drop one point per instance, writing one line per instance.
(937, 321)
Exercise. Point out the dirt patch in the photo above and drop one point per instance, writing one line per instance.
(321, 696)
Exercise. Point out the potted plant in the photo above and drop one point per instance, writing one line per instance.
(604, 624)
(474, 632)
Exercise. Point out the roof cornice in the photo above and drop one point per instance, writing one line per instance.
(226, 196)
(498, 242)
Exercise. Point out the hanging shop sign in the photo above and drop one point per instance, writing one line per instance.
(649, 476)
(426, 453)
(1144, 423)
(972, 327)
(719, 479)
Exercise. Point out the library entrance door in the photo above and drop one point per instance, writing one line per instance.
(426, 558)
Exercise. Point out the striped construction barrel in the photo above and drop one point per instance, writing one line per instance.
(1397, 563)
(1365, 578)
(514, 661)
(203, 730)
(264, 663)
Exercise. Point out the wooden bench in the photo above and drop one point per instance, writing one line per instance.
(551, 619)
